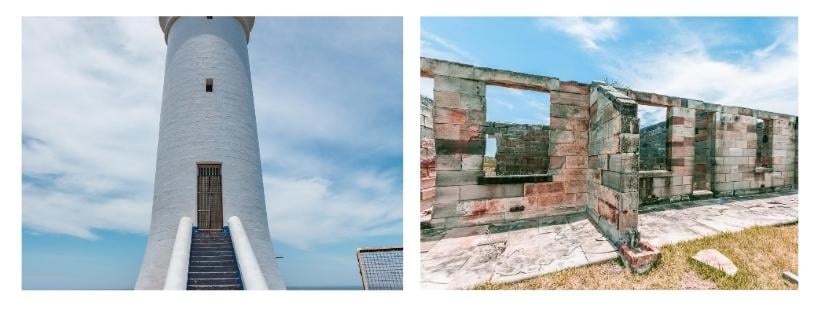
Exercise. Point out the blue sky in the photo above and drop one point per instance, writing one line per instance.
(750, 62)
(328, 105)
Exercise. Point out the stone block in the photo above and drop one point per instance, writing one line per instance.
(472, 162)
(574, 162)
(448, 162)
(446, 194)
(469, 192)
(447, 99)
(451, 178)
(541, 188)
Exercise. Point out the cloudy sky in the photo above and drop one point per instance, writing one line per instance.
(328, 106)
(750, 62)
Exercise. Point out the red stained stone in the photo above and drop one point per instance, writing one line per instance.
(450, 116)
(470, 132)
(677, 120)
(642, 261)
(447, 131)
(551, 200)
(542, 188)
(578, 186)
(573, 87)
(607, 211)
(447, 99)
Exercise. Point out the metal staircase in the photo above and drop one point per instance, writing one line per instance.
(213, 264)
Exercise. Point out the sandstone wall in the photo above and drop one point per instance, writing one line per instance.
(521, 149)
(594, 150)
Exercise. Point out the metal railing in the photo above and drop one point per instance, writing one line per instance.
(381, 268)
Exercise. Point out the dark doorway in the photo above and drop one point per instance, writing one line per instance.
(209, 196)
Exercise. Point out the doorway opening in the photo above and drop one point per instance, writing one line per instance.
(209, 196)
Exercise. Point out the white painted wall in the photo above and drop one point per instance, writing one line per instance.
(199, 126)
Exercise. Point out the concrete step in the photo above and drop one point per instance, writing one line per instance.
(230, 262)
(212, 258)
(210, 241)
(226, 274)
(210, 244)
(212, 268)
(215, 287)
(212, 248)
(215, 281)
(211, 253)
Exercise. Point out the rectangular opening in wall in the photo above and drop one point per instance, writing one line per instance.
(209, 85)
(209, 196)
(516, 132)
(209, 17)
(763, 157)
(426, 108)
(489, 156)
(653, 138)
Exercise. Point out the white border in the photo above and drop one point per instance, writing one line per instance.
(412, 298)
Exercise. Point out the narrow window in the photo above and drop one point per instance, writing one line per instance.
(653, 138)
(209, 17)
(763, 127)
(209, 85)
(489, 156)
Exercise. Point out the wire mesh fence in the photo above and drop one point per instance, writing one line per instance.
(381, 268)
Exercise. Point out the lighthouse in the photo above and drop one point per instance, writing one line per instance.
(208, 168)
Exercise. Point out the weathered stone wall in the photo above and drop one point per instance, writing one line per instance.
(428, 159)
(675, 183)
(736, 170)
(521, 148)
(653, 147)
(613, 159)
(461, 200)
(729, 136)
(594, 152)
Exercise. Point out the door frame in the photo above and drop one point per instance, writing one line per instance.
(209, 209)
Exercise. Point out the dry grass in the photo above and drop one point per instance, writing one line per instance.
(760, 253)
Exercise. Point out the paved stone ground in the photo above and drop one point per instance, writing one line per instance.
(464, 262)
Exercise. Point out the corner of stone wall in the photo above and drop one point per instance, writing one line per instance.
(613, 174)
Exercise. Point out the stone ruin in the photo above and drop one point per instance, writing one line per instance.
(592, 161)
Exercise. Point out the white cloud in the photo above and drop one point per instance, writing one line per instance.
(590, 31)
(650, 115)
(435, 46)
(307, 212)
(91, 93)
(91, 104)
(686, 66)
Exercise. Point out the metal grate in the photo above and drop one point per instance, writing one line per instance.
(209, 196)
(381, 268)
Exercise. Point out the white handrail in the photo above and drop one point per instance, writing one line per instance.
(249, 269)
(177, 276)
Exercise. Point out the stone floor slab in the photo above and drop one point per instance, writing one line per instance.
(465, 262)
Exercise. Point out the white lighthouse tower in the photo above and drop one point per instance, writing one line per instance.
(208, 165)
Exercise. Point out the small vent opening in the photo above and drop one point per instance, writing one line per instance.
(209, 85)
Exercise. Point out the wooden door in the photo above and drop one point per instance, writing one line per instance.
(209, 197)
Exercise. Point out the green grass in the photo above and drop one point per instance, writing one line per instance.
(760, 253)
